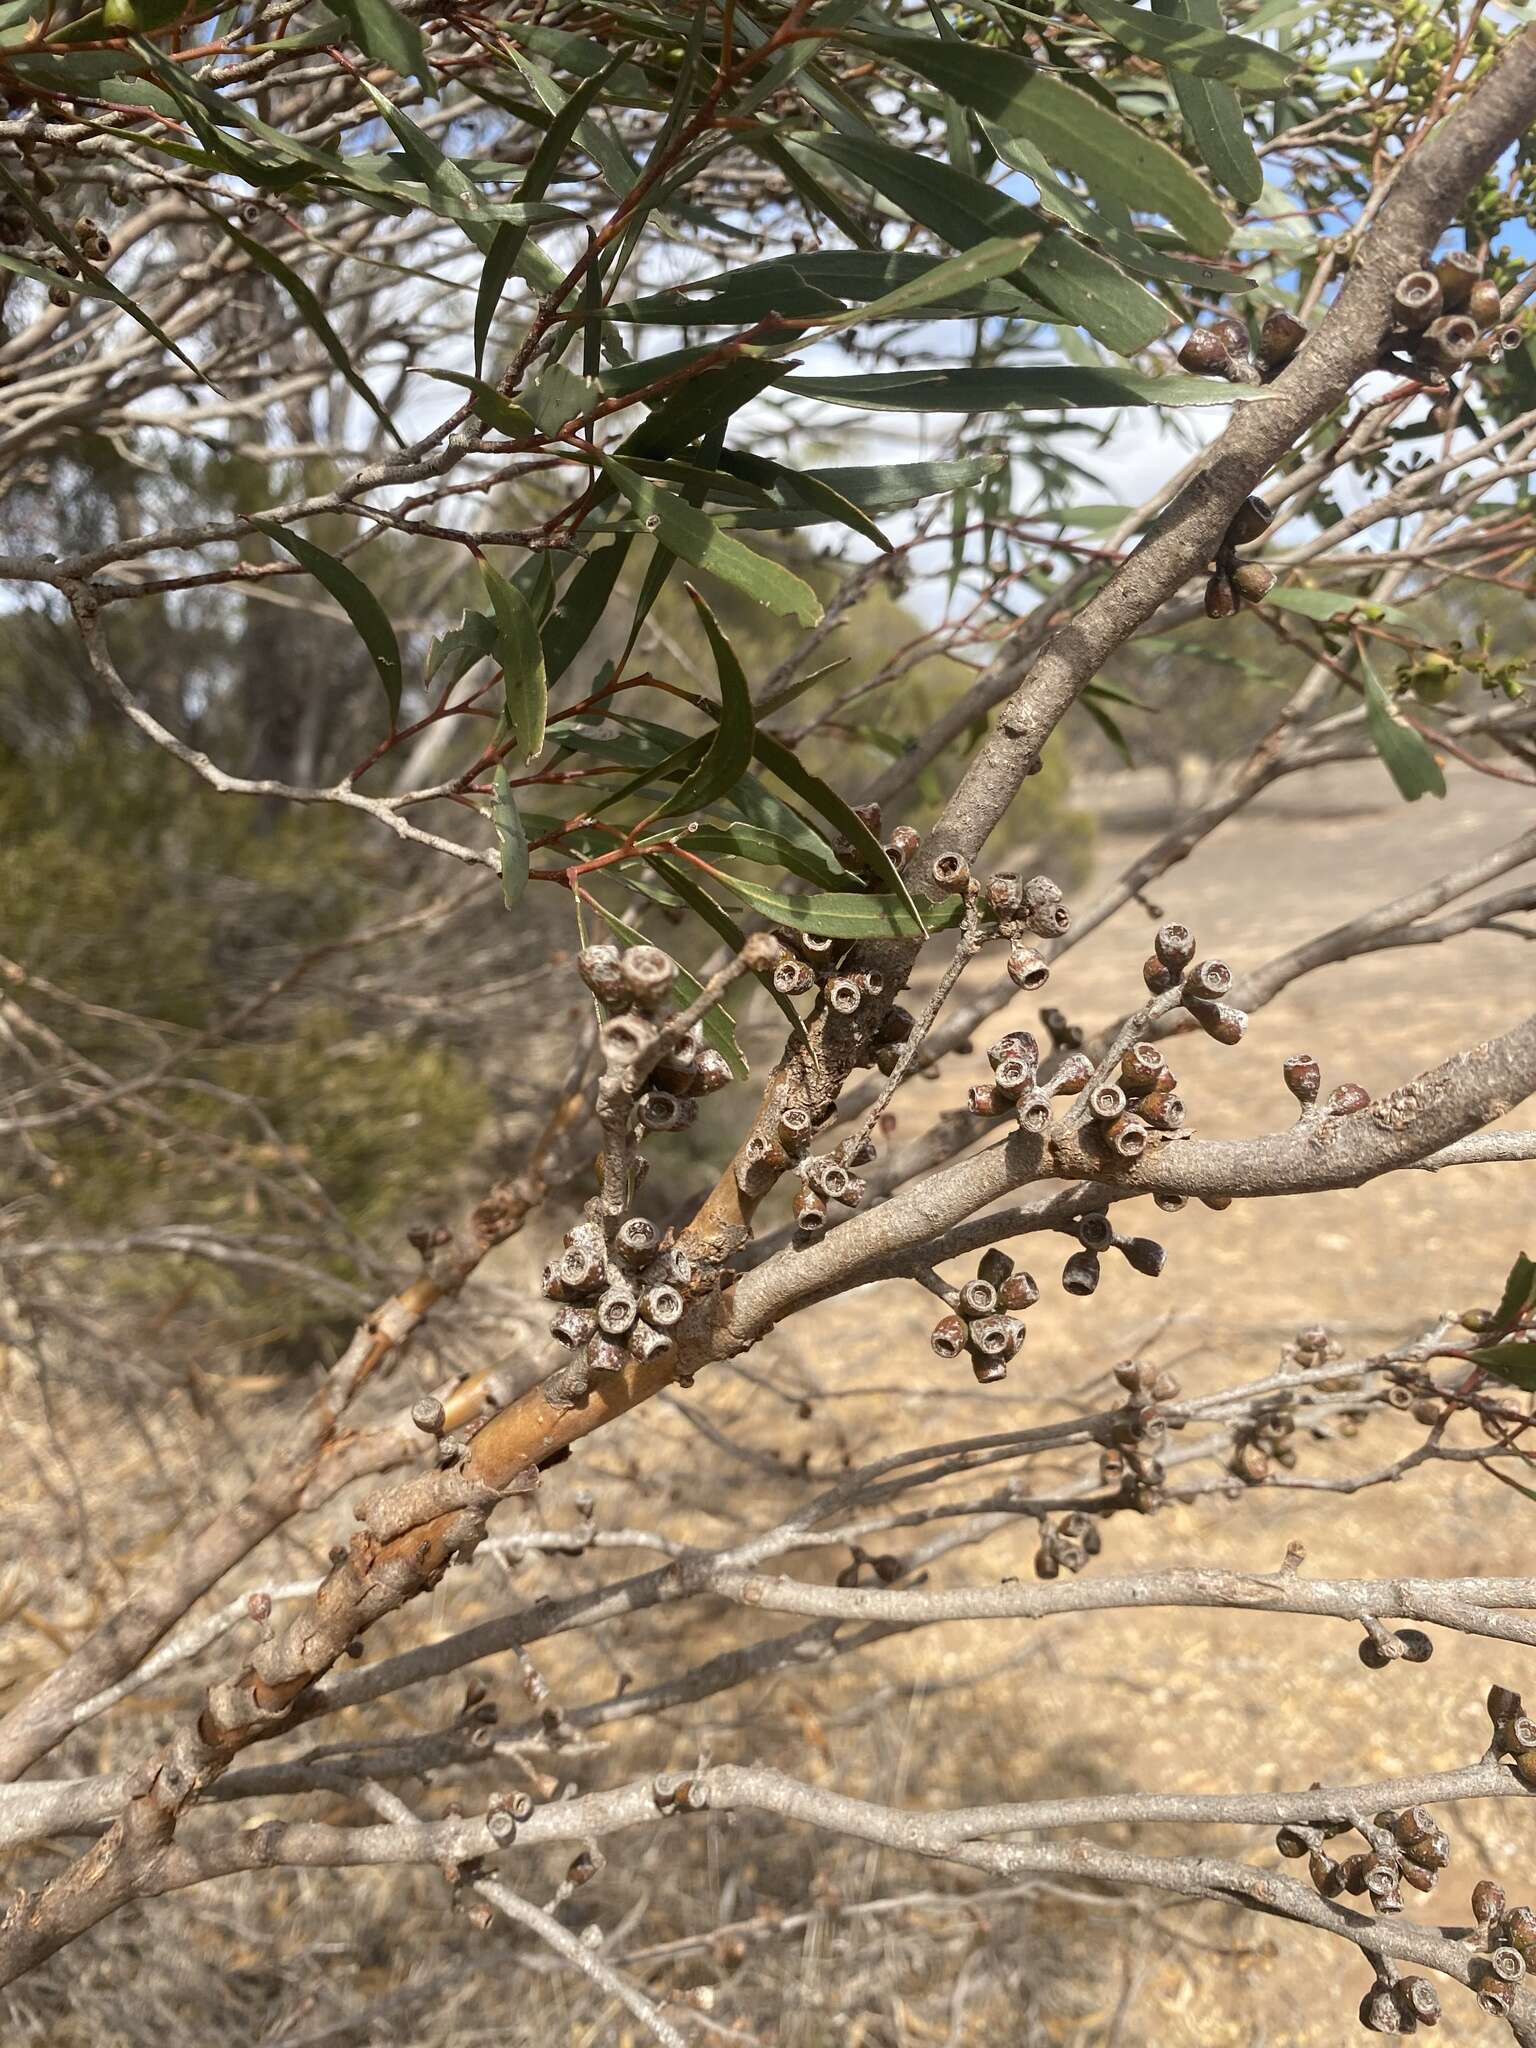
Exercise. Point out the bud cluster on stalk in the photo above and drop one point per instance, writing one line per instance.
(1225, 348)
(986, 1319)
(1446, 317)
(634, 985)
(622, 1290)
(1506, 1952)
(1236, 583)
(1408, 1848)
(1067, 1545)
(1129, 1462)
(1399, 2005)
(1265, 1441)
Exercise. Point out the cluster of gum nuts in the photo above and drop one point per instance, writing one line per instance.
(1508, 1950)
(638, 980)
(621, 1291)
(1402, 1848)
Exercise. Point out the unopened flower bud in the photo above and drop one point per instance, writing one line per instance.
(598, 967)
(1348, 1100)
(1219, 1021)
(1253, 582)
(1303, 1076)
(1144, 1255)
(1280, 337)
(1204, 354)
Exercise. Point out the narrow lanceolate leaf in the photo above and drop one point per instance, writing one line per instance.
(1083, 286)
(511, 841)
(995, 257)
(1203, 52)
(1519, 1294)
(689, 534)
(455, 652)
(522, 661)
(355, 599)
(1404, 752)
(388, 37)
(820, 281)
(491, 406)
(506, 245)
(1213, 113)
(1515, 1364)
(1114, 158)
(960, 210)
(1026, 390)
(580, 607)
(834, 916)
(311, 313)
(730, 751)
(783, 762)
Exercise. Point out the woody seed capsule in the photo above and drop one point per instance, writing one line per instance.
(1142, 1068)
(1164, 1110)
(793, 978)
(991, 1337)
(1249, 521)
(1209, 981)
(1158, 978)
(1457, 272)
(1027, 969)
(948, 1337)
(994, 1266)
(1417, 299)
(1220, 598)
(844, 994)
(982, 1099)
(1488, 1901)
(1080, 1275)
(1174, 945)
(573, 1326)
(1127, 1136)
(635, 1240)
(1449, 341)
(616, 1311)
(1018, 1292)
(1107, 1101)
(648, 1345)
(901, 846)
(648, 975)
(1034, 1112)
(1095, 1231)
(1417, 1996)
(951, 872)
(978, 1298)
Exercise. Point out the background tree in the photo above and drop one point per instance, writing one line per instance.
(557, 560)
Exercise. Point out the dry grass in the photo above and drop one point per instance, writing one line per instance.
(1187, 1701)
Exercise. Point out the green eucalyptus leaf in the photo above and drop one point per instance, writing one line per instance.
(355, 599)
(511, 841)
(1405, 753)
(521, 655)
